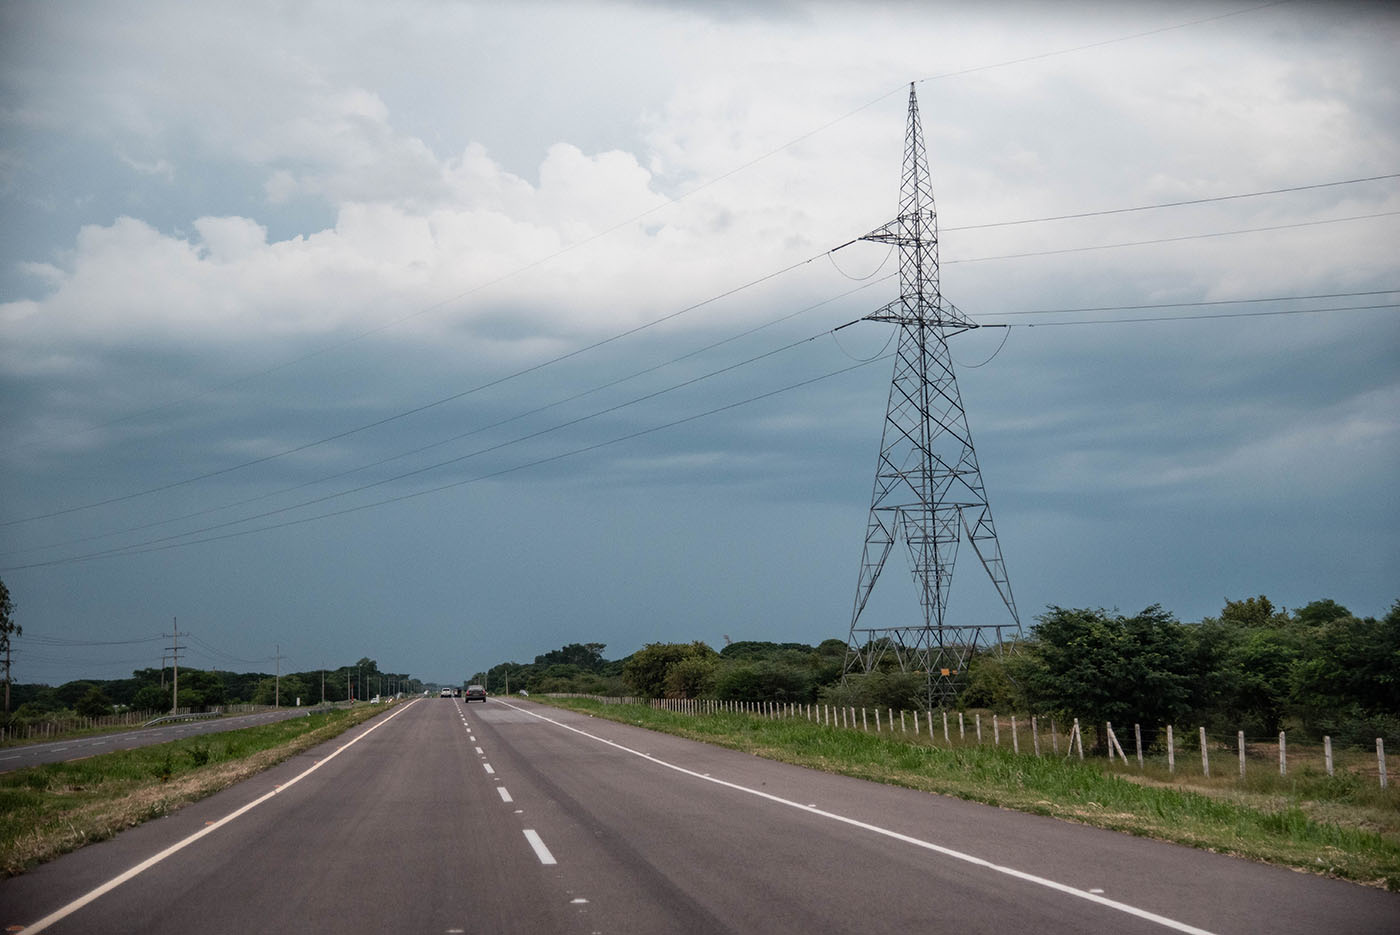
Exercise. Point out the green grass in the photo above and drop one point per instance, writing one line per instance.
(57, 807)
(1338, 826)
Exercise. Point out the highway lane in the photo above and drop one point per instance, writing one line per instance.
(18, 757)
(420, 826)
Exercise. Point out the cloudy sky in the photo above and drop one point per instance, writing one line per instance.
(449, 333)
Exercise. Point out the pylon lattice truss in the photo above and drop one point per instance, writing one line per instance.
(928, 488)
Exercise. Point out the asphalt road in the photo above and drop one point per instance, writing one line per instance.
(12, 758)
(440, 817)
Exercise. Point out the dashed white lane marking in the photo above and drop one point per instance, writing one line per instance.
(149, 862)
(489, 770)
(886, 832)
(505, 796)
(541, 851)
(477, 749)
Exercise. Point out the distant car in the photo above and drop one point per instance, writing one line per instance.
(445, 693)
(476, 691)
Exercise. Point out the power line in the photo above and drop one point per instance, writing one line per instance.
(56, 641)
(1170, 204)
(457, 460)
(1271, 313)
(419, 450)
(1162, 240)
(141, 549)
(1199, 304)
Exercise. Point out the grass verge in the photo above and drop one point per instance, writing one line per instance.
(51, 809)
(1275, 828)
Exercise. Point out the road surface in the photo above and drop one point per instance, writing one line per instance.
(512, 817)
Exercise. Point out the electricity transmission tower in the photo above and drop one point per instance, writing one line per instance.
(928, 488)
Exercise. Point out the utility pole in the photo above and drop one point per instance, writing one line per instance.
(175, 659)
(277, 683)
(928, 487)
(323, 684)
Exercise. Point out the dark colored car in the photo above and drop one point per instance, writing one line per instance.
(476, 691)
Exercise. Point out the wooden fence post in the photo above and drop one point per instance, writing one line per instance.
(877, 720)
(962, 734)
(996, 731)
(1035, 735)
(1171, 751)
(1205, 757)
(1137, 738)
(1113, 742)
(1380, 758)
(1282, 754)
(945, 728)
(1240, 735)
(978, 717)
(1054, 738)
(1327, 753)
(1015, 744)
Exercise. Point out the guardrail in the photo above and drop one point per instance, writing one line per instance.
(166, 718)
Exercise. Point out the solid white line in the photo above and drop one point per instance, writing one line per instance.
(895, 835)
(505, 796)
(541, 851)
(150, 862)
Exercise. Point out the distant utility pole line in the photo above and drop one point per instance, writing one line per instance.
(928, 486)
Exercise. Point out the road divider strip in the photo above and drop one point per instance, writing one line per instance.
(1022, 875)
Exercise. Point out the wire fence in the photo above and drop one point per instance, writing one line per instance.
(1175, 752)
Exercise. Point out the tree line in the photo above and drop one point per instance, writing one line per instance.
(152, 689)
(1255, 667)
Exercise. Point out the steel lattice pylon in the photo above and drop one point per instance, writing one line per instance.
(928, 488)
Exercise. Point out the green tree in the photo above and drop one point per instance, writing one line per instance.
(1348, 676)
(152, 697)
(587, 656)
(765, 680)
(1320, 613)
(1253, 612)
(1102, 667)
(94, 703)
(646, 669)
